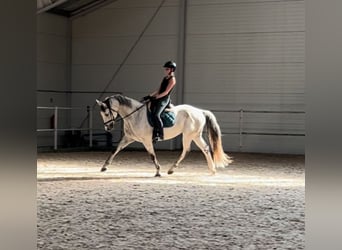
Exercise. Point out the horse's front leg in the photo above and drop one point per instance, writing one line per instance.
(156, 163)
(149, 147)
(124, 142)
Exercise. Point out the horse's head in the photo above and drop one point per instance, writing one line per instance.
(108, 113)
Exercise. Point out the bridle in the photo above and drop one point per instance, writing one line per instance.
(111, 116)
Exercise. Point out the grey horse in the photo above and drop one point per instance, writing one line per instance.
(189, 121)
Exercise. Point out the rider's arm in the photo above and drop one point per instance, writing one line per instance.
(171, 84)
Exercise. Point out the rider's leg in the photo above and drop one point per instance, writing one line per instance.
(158, 123)
(154, 109)
(158, 126)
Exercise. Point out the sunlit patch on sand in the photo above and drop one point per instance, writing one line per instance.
(133, 170)
(146, 176)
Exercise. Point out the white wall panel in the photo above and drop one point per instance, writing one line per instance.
(112, 22)
(100, 50)
(239, 55)
(53, 67)
(52, 52)
(51, 48)
(126, 22)
(154, 50)
(246, 48)
(249, 55)
(136, 78)
(52, 76)
(246, 78)
(273, 144)
(267, 123)
(91, 77)
(102, 40)
(104, 51)
(246, 17)
(256, 102)
(52, 24)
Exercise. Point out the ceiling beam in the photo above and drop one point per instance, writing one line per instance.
(89, 8)
(50, 6)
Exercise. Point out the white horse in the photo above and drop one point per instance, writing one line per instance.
(189, 121)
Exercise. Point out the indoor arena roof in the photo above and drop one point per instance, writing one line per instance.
(70, 8)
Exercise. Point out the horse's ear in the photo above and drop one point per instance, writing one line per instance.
(99, 102)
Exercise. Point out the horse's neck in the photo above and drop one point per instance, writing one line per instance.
(127, 111)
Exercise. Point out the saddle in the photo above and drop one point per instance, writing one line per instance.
(168, 117)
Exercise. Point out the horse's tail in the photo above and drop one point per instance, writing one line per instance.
(214, 133)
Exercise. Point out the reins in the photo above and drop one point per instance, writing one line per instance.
(122, 118)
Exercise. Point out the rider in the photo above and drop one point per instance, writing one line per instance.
(161, 98)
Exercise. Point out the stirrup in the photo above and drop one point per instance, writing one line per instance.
(157, 138)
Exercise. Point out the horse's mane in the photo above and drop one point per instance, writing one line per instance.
(123, 100)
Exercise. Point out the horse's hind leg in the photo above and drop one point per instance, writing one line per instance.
(125, 141)
(206, 151)
(186, 149)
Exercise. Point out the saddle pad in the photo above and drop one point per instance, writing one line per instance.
(167, 117)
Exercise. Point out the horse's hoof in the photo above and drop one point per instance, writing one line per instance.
(170, 172)
(157, 175)
(103, 169)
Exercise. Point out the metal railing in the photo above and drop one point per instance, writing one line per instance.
(90, 127)
(56, 128)
(241, 131)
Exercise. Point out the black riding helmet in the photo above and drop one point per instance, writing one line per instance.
(170, 64)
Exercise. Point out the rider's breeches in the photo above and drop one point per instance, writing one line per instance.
(157, 107)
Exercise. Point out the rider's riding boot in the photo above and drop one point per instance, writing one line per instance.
(161, 133)
(158, 134)
(155, 135)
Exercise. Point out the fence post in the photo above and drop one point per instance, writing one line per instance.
(55, 126)
(90, 122)
(240, 129)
